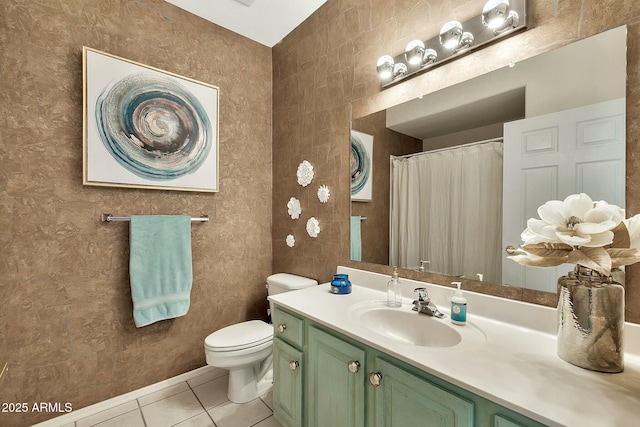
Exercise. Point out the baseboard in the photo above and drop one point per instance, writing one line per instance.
(123, 398)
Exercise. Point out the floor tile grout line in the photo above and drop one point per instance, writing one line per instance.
(144, 421)
(107, 419)
(253, 425)
(260, 397)
(206, 411)
(197, 415)
(163, 397)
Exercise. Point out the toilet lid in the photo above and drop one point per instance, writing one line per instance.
(240, 336)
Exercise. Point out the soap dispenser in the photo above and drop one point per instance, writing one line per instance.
(394, 290)
(458, 306)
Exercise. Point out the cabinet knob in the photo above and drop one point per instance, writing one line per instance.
(293, 365)
(281, 327)
(354, 366)
(375, 378)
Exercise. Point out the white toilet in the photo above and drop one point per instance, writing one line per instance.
(246, 348)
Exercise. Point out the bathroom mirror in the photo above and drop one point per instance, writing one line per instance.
(528, 97)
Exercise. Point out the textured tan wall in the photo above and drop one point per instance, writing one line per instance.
(375, 229)
(326, 69)
(66, 324)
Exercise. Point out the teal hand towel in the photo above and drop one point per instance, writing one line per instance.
(160, 269)
(356, 238)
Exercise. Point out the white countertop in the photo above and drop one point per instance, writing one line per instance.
(516, 366)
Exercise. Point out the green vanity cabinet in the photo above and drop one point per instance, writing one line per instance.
(400, 398)
(288, 368)
(335, 381)
(288, 365)
(340, 382)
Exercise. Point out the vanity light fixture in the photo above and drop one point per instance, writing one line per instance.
(498, 16)
(414, 52)
(385, 67)
(399, 70)
(454, 38)
(451, 34)
(430, 56)
(466, 41)
(498, 19)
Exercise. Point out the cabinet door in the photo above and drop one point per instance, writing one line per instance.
(403, 400)
(336, 381)
(287, 384)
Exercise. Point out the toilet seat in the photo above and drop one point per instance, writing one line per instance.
(240, 336)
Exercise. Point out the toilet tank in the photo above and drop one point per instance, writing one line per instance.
(285, 282)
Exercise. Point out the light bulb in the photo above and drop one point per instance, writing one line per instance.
(495, 13)
(414, 52)
(385, 67)
(450, 34)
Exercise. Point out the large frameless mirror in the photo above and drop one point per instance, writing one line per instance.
(454, 175)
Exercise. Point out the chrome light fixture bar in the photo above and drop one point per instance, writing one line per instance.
(499, 19)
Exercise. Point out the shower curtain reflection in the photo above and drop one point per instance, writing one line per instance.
(447, 209)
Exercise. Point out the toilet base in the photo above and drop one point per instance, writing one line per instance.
(243, 386)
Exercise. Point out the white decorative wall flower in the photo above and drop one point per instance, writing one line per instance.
(291, 241)
(579, 231)
(323, 194)
(305, 173)
(294, 208)
(313, 227)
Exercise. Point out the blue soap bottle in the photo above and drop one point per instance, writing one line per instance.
(458, 306)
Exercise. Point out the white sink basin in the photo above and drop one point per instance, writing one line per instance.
(408, 327)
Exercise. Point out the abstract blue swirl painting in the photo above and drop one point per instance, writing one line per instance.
(147, 128)
(153, 127)
(361, 164)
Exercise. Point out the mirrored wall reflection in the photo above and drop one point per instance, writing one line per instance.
(456, 214)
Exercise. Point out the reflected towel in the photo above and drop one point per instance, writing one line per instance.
(356, 242)
(160, 269)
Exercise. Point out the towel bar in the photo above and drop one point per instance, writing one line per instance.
(109, 218)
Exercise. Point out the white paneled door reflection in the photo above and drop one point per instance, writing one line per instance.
(549, 157)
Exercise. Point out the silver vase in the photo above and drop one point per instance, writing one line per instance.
(591, 320)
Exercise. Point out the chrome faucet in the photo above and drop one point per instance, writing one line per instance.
(424, 305)
(422, 265)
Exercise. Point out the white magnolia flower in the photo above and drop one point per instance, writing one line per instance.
(633, 227)
(578, 231)
(576, 221)
(323, 194)
(305, 173)
(294, 208)
(313, 227)
(291, 241)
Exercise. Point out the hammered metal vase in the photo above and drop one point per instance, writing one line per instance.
(591, 320)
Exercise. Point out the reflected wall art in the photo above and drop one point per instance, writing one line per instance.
(147, 128)
(361, 166)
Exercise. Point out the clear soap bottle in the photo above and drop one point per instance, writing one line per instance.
(394, 290)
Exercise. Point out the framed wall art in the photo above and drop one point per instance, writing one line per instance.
(147, 128)
(361, 166)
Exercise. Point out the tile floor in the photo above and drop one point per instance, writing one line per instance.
(199, 402)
